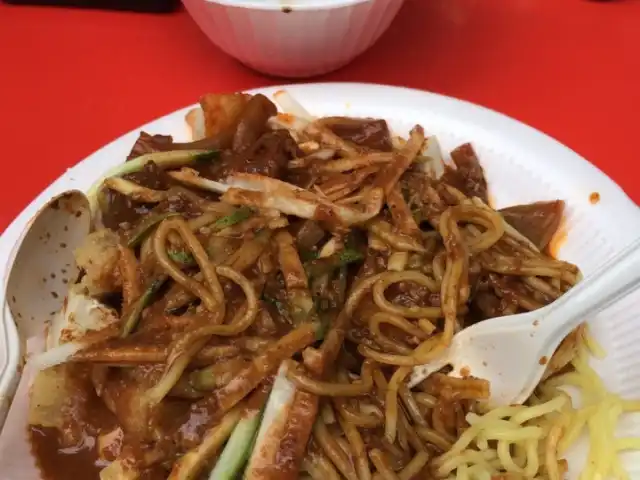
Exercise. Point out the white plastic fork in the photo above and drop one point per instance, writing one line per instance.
(510, 352)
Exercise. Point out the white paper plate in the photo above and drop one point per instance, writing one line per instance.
(521, 164)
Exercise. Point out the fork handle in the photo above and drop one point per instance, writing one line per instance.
(615, 279)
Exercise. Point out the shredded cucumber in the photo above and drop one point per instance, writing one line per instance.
(238, 448)
(239, 215)
(164, 160)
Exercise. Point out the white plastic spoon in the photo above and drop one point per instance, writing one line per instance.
(42, 263)
(510, 352)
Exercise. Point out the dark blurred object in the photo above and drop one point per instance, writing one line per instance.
(153, 6)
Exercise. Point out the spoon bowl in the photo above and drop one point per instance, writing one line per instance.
(512, 352)
(43, 263)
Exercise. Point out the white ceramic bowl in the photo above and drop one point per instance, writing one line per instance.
(293, 38)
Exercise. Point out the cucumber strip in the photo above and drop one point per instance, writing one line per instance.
(182, 258)
(239, 215)
(164, 160)
(280, 399)
(145, 226)
(238, 448)
(323, 266)
(130, 321)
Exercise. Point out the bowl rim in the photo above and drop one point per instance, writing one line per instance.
(289, 6)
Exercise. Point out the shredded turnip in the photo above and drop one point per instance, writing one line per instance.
(431, 159)
(259, 183)
(329, 248)
(292, 200)
(67, 335)
(136, 192)
(57, 355)
(294, 125)
(191, 177)
(290, 105)
(195, 121)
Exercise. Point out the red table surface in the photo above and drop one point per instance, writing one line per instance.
(73, 80)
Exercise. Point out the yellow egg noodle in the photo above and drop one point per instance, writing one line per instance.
(529, 441)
